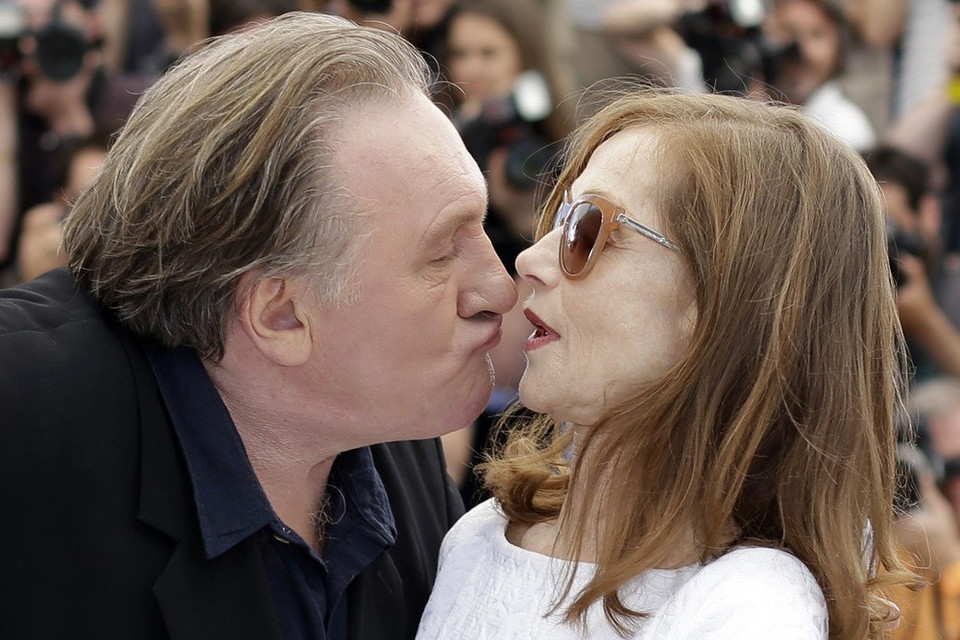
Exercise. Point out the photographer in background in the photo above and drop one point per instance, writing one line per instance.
(423, 23)
(50, 87)
(913, 216)
(39, 248)
(815, 32)
(732, 46)
(926, 527)
(619, 42)
(510, 112)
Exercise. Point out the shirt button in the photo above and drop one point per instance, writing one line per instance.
(286, 531)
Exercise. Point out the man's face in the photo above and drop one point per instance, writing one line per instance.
(411, 355)
(897, 203)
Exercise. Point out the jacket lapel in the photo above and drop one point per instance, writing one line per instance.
(199, 599)
(227, 597)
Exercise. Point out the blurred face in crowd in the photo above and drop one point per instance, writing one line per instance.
(945, 435)
(817, 38)
(412, 351)
(427, 14)
(623, 325)
(897, 203)
(83, 168)
(484, 58)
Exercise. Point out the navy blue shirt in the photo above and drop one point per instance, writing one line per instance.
(309, 590)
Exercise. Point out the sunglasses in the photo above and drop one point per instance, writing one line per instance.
(587, 223)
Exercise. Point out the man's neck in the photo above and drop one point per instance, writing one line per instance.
(291, 461)
(296, 485)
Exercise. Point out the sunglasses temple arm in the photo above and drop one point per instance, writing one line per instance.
(646, 231)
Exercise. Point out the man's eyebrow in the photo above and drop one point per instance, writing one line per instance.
(446, 225)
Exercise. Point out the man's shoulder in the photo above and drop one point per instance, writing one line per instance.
(49, 325)
(65, 368)
(41, 308)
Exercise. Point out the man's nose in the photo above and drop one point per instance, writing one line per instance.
(489, 289)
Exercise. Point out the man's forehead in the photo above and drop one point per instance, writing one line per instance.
(402, 144)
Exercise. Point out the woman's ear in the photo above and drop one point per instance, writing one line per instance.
(274, 317)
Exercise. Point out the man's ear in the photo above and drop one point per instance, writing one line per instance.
(273, 316)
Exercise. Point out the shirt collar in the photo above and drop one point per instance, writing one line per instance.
(231, 504)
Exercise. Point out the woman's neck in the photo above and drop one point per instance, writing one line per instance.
(557, 537)
(584, 517)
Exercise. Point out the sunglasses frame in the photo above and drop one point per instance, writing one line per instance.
(612, 218)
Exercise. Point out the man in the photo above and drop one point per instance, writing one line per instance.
(52, 91)
(913, 217)
(928, 529)
(281, 264)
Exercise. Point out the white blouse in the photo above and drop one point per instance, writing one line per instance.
(489, 589)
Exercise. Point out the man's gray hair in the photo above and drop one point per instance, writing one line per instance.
(224, 167)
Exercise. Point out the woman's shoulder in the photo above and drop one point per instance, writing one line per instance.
(761, 565)
(761, 574)
(749, 592)
(481, 522)
(488, 588)
(479, 530)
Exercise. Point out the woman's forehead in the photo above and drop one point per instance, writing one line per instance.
(623, 166)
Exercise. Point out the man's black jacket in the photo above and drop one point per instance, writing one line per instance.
(98, 530)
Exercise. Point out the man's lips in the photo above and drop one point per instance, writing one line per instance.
(542, 333)
(495, 335)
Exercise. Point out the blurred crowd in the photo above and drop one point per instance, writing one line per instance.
(515, 77)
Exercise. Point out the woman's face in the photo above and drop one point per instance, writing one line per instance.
(629, 320)
(484, 57)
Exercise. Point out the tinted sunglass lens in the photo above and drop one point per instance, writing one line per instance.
(580, 235)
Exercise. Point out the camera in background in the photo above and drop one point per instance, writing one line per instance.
(60, 47)
(728, 36)
(509, 122)
(901, 242)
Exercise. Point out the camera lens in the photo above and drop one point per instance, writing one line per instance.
(60, 51)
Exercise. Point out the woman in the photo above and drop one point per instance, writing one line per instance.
(714, 358)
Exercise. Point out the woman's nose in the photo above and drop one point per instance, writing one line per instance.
(539, 265)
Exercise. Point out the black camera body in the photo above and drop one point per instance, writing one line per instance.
(728, 36)
(511, 122)
(901, 242)
(60, 46)
(372, 6)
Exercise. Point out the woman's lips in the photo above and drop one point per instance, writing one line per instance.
(542, 334)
